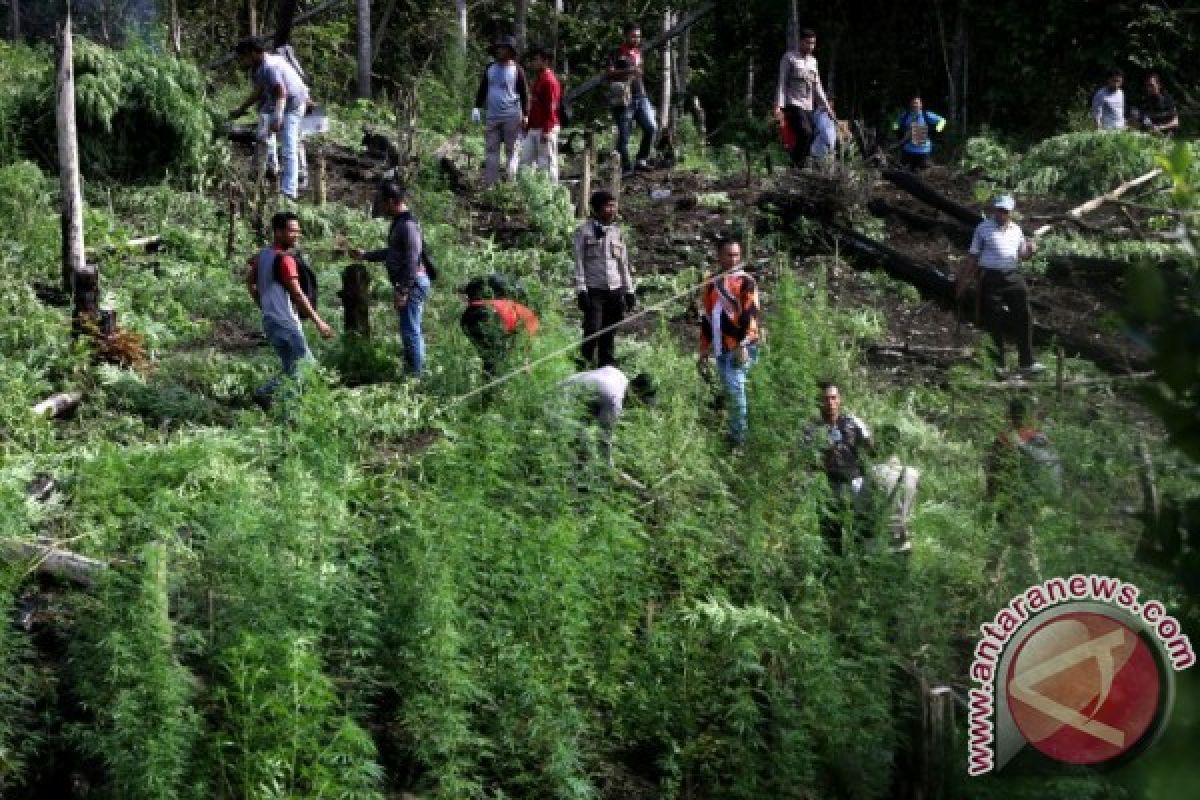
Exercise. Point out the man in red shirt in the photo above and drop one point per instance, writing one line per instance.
(541, 135)
(628, 101)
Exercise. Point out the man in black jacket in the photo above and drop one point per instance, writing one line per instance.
(408, 270)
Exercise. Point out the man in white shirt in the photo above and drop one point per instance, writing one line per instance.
(1108, 103)
(996, 249)
(603, 392)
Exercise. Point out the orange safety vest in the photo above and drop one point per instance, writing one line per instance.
(511, 313)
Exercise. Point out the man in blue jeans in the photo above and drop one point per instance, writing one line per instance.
(628, 100)
(408, 269)
(282, 99)
(729, 313)
(273, 279)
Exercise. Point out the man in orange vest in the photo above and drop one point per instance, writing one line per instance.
(729, 330)
(492, 321)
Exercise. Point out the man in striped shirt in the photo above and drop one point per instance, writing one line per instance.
(996, 249)
(729, 330)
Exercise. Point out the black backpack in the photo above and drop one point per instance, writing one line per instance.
(307, 277)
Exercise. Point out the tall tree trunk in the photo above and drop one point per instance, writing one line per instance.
(750, 85)
(175, 33)
(363, 89)
(460, 14)
(521, 23)
(794, 27)
(683, 63)
(664, 105)
(252, 17)
(286, 18)
(14, 20)
(560, 66)
(381, 30)
(68, 163)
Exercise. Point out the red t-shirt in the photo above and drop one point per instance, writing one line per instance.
(543, 105)
(287, 269)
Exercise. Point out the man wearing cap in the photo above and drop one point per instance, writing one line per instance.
(541, 138)
(996, 249)
(604, 288)
(504, 95)
(408, 269)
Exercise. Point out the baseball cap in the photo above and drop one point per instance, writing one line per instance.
(1004, 201)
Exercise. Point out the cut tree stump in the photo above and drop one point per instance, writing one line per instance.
(356, 300)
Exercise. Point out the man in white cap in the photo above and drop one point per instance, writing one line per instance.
(996, 249)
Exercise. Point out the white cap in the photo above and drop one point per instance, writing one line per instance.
(1004, 201)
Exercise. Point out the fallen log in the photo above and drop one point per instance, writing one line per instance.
(50, 560)
(932, 197)
(58, 405)
(654, 43)
(956, 233)
(1091, 205)
(1019, 384)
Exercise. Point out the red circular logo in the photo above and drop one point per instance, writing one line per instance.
(1084, 688)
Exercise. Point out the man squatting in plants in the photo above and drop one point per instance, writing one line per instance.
(799, 94)
(273, 279)
(604, 288)
(282, 99)
(604, 391)
(996, 249)
(409, 270)
(494, 322)
(504, 94)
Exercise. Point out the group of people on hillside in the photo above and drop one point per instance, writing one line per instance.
(1156, 114)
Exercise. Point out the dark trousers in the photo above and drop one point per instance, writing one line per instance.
(605, 307)
(801, 123)
(915, 161)
(1006, 314)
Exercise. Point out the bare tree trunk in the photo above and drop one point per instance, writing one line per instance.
(174, 30)
(356, 300)
(460, 13)
(14, 20)
(252, 17)
(664, 105)
(521, 23)
(561, 66)
(363, 89)
(750, 85)
(585, 184)
(285, 21)
(683, 65)
(68, 164)
(794, 27)
(381, 30)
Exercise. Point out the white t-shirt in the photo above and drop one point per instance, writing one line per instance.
(1109, 105)
(997, 248)
(609, 385)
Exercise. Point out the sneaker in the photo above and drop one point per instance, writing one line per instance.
(1036, 368)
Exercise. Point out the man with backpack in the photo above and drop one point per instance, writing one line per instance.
(273, 278)
(628, 101)
(493, 321)
(916, 127)
(408, 268)
(604, 289)
(282, 99)
(541, 136)
(504, 94)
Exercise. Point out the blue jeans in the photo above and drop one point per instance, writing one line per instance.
(642, 112)
(410, 326)
(733, 377)
(289, 144)
(290, 345)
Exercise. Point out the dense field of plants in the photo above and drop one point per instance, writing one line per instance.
(387, 587)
